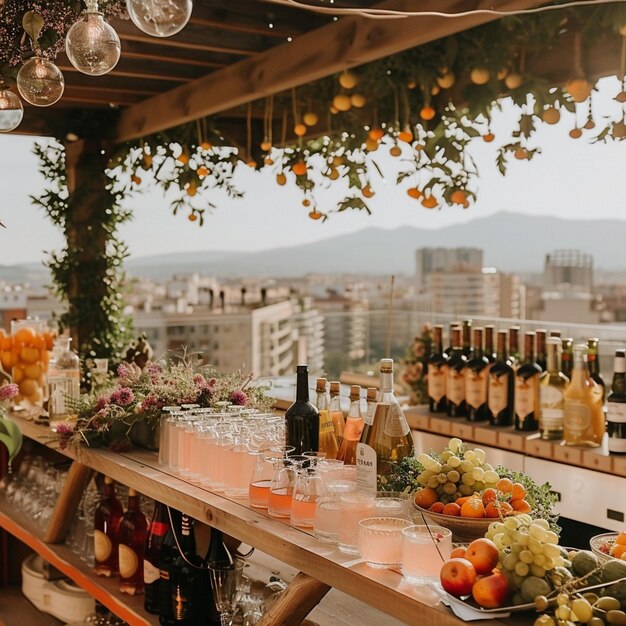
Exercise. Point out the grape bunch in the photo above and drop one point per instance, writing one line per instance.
(456, 472)
(528, 548)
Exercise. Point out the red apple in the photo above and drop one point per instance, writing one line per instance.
(458, 577)
(483, 554)
(492, 591)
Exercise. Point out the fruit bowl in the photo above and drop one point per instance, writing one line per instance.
(597, 543)
(464, 529)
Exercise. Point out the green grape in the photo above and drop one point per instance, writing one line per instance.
(454, 444)
(497, 539)
(538, 533)
(539, 559)
(544, 523)
(470, 455)
(445, 455)
(488, 468)
(442, 478)
(537, 570)
(521, 569)
(454, 476)
(563, 611)
(432, 482)
(467, 479)
(466, 490)
(480, 454)
(467, 466)
(536, 547)
(526, 556)
(516, 549)
(522, 538)
(445, 468)
(507, 541)
(449, 488)
(454, 461)
(583, 609)
(424, 459)
(552, 537)
(551, 551)
(511, 523)
(491, 476)
(436, 468)
(544, 620)
(479, 485)
(509, 562)
(562, 599)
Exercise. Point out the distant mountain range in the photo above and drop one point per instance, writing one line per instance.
(511, 241)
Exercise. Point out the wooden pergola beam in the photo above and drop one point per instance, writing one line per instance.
(349, 42)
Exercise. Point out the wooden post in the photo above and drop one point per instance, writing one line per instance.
(78, 478)
(301, 596)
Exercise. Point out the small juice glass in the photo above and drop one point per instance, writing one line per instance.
(354, 506)
(380, 540)
(424, 551)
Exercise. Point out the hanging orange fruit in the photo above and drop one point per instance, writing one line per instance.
(488, 137)
(434, 90)
(252, 163)
(589, 124)
(376, 133)
(266, 145)
(412, 84)
(371, 145)
(281, 179)
(446, 80)
(414, 193)
(622, 30)
(306, 202)
(348, 80)
(513, 81)
(342, 102)
(405, 135)
(315, 214)
(202, 171)
(299, 130)
(136, 179)
(458, 197)
(503, 73)
(338, 160)
(268, 161)
(146, 161)
(183, 158)
(333, 110)
(395, 151)
(575, 133)
(520, 153)
(427, 113)
(310, 118)
(192, 189)
(358, 100)
(480, 76)
(192, 217)
(551, 115)
(299, 168)
(368, 192)
(619, 130)
(333, 174)
(579, 89)
(205, 145)
(429, 202)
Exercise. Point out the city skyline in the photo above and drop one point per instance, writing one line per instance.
(570, 179)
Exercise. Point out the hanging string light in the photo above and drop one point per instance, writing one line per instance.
(92, 45)
(40, 82)
(159, 18)
(11, 109)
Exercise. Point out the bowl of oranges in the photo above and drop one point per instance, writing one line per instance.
(609, 545)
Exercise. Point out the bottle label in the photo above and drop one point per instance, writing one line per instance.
(354, 428)
(550, 397)
(456, 386)
(150, 573)
(616, 412)
(326, 422)
(159, 529)
(62, 386)
(576, 417)
(366, 471)
(437, 375)
(525, 396)
(476, 387)
(369, 415)
(164, 574)
(498, 396)
(102, 546)
(396, 424)
(129, 561)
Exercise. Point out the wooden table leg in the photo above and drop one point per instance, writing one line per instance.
(301, 596)
(78, 477)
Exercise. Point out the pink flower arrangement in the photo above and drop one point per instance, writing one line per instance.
(7, 392)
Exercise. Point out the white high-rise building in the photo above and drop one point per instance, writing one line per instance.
(431, 260)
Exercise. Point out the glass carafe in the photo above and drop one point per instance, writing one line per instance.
(307, 489)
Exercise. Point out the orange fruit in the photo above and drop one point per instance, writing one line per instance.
(618, 550)
(348, 80)
(492, 509)
(192, 189)
(266, 145)
(333, 174)
(202, 171)
(306, 202)
(506, 509)
(474, 507)
(299, 130)
(504, 485)
(551, 115)
(338, 160)
(426, 497)
(24, 336)
(358, 100)
(461, 501)
(371, 144)
(29, 355)
(405, 135)
(395, 151)
(513, 80)
(521, 506)
(621, 539)
(480, 75)
(251, 164)
(452, 509)
(281, 179)
(518, 492)
(299, 168)
(315, 214)
(136, 179)
(427, 113)
(414, 192)
(488, 137)
(183, 158)
(429, 202)
(458, 197)
(310, 118)
(437, 507)
(376, 134)
(342, 102)
(575, 133)
(206, 145)
(489, 495)
(192, 217)
(458, 553)
(368, 192)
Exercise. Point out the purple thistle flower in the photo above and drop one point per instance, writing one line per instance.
(9, 391)
(102, 402)
(122, 396)
(123, 371)
(151, 401)
(198, 380)
(239, 397)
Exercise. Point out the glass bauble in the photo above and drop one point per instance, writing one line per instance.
(92, 45)
(11, 110)
(160, 18)
(40, 82)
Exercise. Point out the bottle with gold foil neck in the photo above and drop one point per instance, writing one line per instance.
(567, 356)
(593, 363)
(476, 378)
(437, 374)
(583, 414)
(527, 388)
(500, 409)
(455, 383)
(327, 440)
(354, 428)
(368, 418)
(541, 335)
(336, 413)
(552, 385)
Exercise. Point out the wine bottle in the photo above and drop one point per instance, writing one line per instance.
(390, 436)
(489, 351)
(616, 406)
(336, 412)
(593, 363)
(448, 351)
(302, 419)
(567, 356)
(133, 535)
(476, 377)
(63, 382)
(552, 384)
(527, 388)
(368, 418)
(437, 374)
(159, 526)
(108, 517)
(540, 338)
(467, 338)
(514, 351)
(555, 333)
(500, 407)
(455, 383)
(354, 428)
(217, 554)
(183, 576)
(583, 415)
(169, 550)
(327, 440)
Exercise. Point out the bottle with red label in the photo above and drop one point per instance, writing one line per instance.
(354, 428)
(108, 517)
(133, 535)
(159, 526)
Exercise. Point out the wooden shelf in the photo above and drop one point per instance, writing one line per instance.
(382, 589)
(105, 590)
(15, 608)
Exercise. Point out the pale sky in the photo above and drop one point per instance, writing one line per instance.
(570, 179)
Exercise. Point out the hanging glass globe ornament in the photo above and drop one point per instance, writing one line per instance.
(11, 109)
(159, 18)
(92, 45)
(40, 82)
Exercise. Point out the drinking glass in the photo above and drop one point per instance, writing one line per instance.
(380, 540)
(392, 504)
(307, 489)
(225, 583)
(259, 488)
(424, 550)
(281, 486)
(354, 506)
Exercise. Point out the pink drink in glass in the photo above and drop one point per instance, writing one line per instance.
(259, 494)
(421, 558)
(354, 507)
(303, 511)
(173, 453)
(279, 503)
(326, 519)
(380, 540)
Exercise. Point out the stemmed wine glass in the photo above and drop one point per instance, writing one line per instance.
(225, 583)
